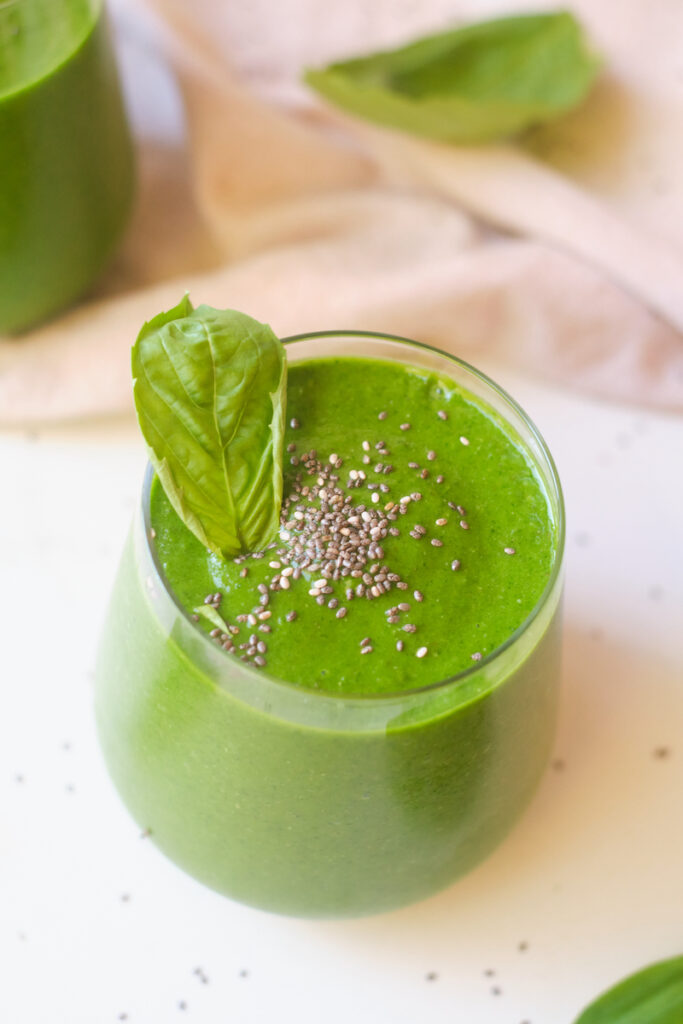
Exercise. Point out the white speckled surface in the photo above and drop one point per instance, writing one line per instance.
(97, 927)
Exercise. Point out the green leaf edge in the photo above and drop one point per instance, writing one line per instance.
(637, 997)
(184, 308)
(425, 117)
(213, 615)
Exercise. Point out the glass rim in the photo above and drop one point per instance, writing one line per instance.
(368, 699)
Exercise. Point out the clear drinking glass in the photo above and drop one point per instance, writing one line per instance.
(306, 803)
(66, 164)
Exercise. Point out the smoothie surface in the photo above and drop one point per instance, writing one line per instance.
(38, 43)
(461, 561)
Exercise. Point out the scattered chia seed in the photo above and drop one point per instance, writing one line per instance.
(328, 538)
(294, 423)
(442, 414)
(455, 564)
(476, 656)
(464, 524)
(509, 551)
(464, 440)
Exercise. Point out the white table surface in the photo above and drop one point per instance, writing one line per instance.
(98, 927)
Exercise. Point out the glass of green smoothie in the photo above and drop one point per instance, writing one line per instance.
(66, 172)
(345, 720)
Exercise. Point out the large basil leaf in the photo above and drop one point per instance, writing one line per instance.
(470, 84)
(210, 393)
(652, 996)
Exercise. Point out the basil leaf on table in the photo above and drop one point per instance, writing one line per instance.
(651, 996)
(210, 393)
(471, 84)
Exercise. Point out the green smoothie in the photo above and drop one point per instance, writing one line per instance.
(348, 720)
(478, 568)
(66, 172)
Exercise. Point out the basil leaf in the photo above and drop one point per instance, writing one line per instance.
(208, 611)
(470, 84)
(652, 996)
(210, 393)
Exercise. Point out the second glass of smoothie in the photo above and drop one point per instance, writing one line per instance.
(66, 163)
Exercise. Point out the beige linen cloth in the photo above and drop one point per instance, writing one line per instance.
(560, 253)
